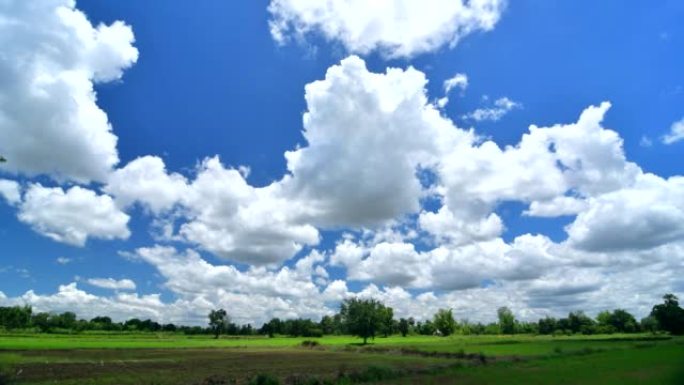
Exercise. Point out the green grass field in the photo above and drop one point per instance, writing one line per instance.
(167, 359)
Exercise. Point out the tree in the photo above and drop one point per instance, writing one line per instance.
(362, 317)
(386, 320)
(15, 317)
(2, 159)
(669, 315)
(217, 321)
(578, 322)
(547, 325)
(403, 327)
(506, 320)
(650, 324)
(619, 320)
(41, 321)
(327, 325)
(444, 322)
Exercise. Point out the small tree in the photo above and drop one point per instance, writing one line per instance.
(217, 321)
(506, 320)
(403, 327)
(444, 322)
(362, 317)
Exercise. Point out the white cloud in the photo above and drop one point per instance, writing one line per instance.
(397, 28)
(145, 180)
(367, 135)
(64, 260)
(676, 133)
(234, 220)
(498, 110)
(648, 214)
(112, 284)
(556, 207)
(10, 191)
(72, 216)
(457, 81)
(49, 120)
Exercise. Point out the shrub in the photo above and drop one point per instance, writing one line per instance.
(310, 343)
(373, 373)
(264, 379)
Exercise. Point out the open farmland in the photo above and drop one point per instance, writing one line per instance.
(173, 359)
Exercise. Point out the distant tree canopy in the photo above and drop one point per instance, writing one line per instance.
(365, 318)
(2, 159)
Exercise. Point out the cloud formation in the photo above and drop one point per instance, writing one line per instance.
(49, 121)
(112, 284)
(676, 133)
(72, 216)
(495, 112)
(396, 28)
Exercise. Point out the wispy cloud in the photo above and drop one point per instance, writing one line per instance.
(498, 110)
(676, 133)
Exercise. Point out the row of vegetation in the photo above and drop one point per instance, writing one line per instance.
(366, 318)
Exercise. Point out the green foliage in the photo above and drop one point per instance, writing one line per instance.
(403, 327)
(444, 322)
(506, 320)
(218, 319)
(15, 317)
(618, 320)
(578, 322)
(669, 315)
(650, 324)
(310, 343)
(386, 321)
(363, 318)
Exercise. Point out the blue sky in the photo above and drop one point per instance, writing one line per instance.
(211, 79)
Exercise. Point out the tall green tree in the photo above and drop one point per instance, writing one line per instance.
(386, 320)
(218, 319)
(404, 327)
(362, 317)
(669, 315)
(506, 320)
(444, 322)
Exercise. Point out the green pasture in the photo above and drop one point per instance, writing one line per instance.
(174, 359)
(658, 364)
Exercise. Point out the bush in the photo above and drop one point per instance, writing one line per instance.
(264, 379)
(373, 373)
(310, 343)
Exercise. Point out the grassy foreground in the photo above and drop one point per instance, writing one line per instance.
(168, 359)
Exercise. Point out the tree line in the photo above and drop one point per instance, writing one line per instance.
(365, 318)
